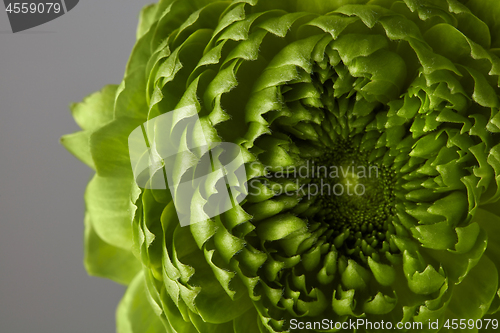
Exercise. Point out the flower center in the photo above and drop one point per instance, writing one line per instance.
(353, 197)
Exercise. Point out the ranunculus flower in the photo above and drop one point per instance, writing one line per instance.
(370, 133)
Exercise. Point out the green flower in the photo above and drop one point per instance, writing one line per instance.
(370, 136)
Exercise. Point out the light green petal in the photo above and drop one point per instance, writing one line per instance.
(109, 204)
(96, 110)
(109, 148)
(146, 20)
(78, 144)
(134, 313)
(108, 261)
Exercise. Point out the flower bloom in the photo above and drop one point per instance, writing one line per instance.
(370, 137)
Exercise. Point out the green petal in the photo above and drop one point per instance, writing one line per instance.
(96, 110)
(384, 274)
(134, 313)
(109, 204)
(380, 304)
(472, 298)
(109, 148)
(488, 12)
(355, 276)
(439, 236)
(279, 227)
(247, 322)
(146, 20)
(78, 144)
(345, 303)
(108, 261)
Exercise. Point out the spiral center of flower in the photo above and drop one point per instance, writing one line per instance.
(354, 198)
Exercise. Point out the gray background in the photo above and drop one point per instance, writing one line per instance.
(43, 284)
